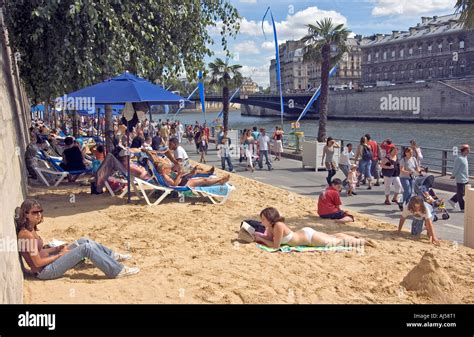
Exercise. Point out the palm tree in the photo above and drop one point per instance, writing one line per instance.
(225, 75)
(320, 39)
(466, 8)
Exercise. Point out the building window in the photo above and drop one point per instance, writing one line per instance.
(393, 54)
(402, 53)
(369, 58)
(430, 48)
(384, 55)
(461, 44)
(450, 46)
(410, 51)
(420, 50)
(377, 55)
(440, 47)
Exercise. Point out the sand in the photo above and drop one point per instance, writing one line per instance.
(188, 253)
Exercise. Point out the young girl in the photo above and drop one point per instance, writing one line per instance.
(278, 233)
(352, 180)
(203, 147)
(52, 263)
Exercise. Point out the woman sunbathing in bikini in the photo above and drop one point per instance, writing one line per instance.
(277, 233)
(180, 179)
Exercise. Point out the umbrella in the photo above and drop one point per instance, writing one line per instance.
(122, 89)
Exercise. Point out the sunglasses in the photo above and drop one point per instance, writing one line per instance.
(35, 212)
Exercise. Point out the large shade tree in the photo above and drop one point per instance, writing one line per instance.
(225, 76)
(65, 45)
(325, 43)
(466, 8)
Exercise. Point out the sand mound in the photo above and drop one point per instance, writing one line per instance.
(429, 279)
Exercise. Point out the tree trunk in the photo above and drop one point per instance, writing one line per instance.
(75, 130)
(323, 111)
(109, 128)
(225, 107)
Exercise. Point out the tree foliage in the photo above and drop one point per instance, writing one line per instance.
(65, 45)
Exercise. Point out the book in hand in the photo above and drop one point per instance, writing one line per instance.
(246, 233)
(56, 243)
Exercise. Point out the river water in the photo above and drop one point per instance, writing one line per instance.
(435, 135)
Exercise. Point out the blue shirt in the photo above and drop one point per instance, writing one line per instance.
(461, 170)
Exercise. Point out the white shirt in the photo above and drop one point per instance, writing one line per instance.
(263, 142)
(180, 153)
(345, 157)
(180, 128)
(420, 216)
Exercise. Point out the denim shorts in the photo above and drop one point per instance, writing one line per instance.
(338, 215)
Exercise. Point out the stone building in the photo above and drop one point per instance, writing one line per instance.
(436, 48)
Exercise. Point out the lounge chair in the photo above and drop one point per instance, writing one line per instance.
(214, 193)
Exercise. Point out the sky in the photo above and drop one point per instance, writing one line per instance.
(253, 50)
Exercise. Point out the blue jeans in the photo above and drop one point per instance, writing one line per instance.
(365, 168)
(100, 255)
(267, 161)
(229, 162)
(407, 184)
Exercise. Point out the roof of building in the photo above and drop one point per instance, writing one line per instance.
(430, 26)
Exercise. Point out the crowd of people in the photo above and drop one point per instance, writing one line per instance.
(161, 142)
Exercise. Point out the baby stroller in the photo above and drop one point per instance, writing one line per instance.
(423, 187)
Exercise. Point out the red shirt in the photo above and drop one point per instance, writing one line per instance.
(329, 201)
(374, 147)
(207, 132)
(387, 147)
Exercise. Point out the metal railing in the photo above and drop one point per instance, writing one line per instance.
(436, 159)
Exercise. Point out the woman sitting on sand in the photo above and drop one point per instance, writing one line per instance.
(180, 179)
(278, 233)
(52, 263)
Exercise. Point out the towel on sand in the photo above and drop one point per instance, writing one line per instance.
(302, 249)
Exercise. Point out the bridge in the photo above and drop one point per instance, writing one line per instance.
(294, 103)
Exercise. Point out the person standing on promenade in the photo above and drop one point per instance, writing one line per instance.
(374, 170)
(248, 145)
(416, 152)
(328, 158)
(345, 158)
(391, 175)
(278, 142)
(364, 155)
(408, 169)
(461, 174)
(264, 145)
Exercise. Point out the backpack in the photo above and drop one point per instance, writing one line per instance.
(366, 153)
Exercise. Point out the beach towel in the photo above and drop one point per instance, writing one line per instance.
(303, 249)
(215, 191)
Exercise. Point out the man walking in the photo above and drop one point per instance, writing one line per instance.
(461, 174)
(263, 145)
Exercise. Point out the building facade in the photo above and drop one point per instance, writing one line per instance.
(437, 48)
(298, 75)
(249, 87)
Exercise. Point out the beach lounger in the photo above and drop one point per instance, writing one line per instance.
(41, 172)
(217, 194)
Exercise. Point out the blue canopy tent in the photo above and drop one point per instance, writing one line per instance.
(126, 88)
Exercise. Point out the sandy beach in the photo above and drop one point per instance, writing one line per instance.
(188, 253)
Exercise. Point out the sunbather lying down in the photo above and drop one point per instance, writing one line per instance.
(179, 179)
(278, 233)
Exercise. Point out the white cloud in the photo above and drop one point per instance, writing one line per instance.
(248, 1)
(268, 45)
(261, 74)
(410, 7)
(294, 27)
(247, 47)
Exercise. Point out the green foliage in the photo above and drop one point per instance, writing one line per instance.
(225, 75)
(466, 8)
(68, 44)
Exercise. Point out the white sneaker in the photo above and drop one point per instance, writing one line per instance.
(453, 204)
(121, 257)
(127, 271)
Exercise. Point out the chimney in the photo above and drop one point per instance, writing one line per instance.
(435, 18)
(379, 37)
(395, 33)
(425, 19)
(432, 27)
(412, 30)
